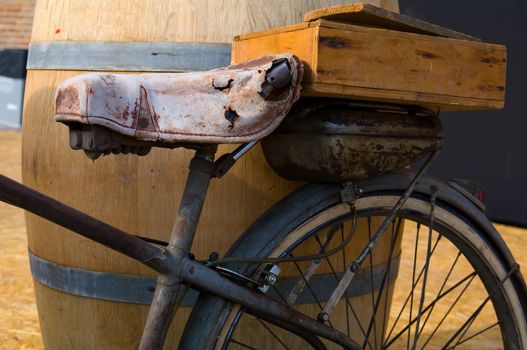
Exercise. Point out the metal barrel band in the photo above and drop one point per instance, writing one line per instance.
(96, 284)
(140, 289)
(127, 56)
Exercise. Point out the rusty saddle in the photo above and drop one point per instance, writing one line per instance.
(235, 104)
(321, 140)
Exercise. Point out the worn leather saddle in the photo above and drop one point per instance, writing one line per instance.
(123, 113)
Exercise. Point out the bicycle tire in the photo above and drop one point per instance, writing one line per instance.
(459, 220)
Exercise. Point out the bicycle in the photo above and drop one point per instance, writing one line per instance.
(270, 274)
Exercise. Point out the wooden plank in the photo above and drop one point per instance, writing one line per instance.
(274, 31)
(366, 14)
(430, 101)
(415, 66)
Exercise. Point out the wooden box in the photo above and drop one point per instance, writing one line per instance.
(369, 63)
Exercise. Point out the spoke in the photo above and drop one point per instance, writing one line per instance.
(395, 233)
(427, 267)
(430, 306)
(475, 314)
(242, 344)
(374, 310)
(451, 306)
(448, 312)
(344, 265)
(310, 289)
(413, 286)
(272, 333)
(334, 273)
(310, 270)
(465, 327)
(464, 332)
(479, 332)
(308, 284)
(379, 294)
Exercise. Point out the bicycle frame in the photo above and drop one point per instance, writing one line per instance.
(174, 265)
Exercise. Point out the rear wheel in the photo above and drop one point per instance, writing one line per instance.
(433, 281)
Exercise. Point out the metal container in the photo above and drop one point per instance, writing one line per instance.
(337, 140)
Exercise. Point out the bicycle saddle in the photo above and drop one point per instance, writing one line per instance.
(123, 113)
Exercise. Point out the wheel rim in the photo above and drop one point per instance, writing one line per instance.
(456, 311)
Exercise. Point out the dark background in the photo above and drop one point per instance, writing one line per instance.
(13, 63)
(487, 146)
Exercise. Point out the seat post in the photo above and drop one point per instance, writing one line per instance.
(169, 288)
(201, 170)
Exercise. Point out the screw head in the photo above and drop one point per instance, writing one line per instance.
(271, 279)
(213, 256)
(355, 267)
(323, 317)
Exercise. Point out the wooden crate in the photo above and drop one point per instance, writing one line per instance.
(369, 63)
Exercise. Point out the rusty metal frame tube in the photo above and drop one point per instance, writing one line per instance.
(168, 287)
(201, 170)
(208, 280)
(61, 214)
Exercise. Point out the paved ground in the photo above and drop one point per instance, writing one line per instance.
(18, 315)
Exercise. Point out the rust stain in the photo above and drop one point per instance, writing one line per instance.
(125, 113)
(67, 100)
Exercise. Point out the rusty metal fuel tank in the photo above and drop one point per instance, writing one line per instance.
(333, 140)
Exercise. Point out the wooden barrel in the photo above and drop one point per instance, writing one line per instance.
(83, 291)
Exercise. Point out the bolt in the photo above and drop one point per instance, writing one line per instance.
(355, 267)
(271, 279)
(213, 256)
(323, 317)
